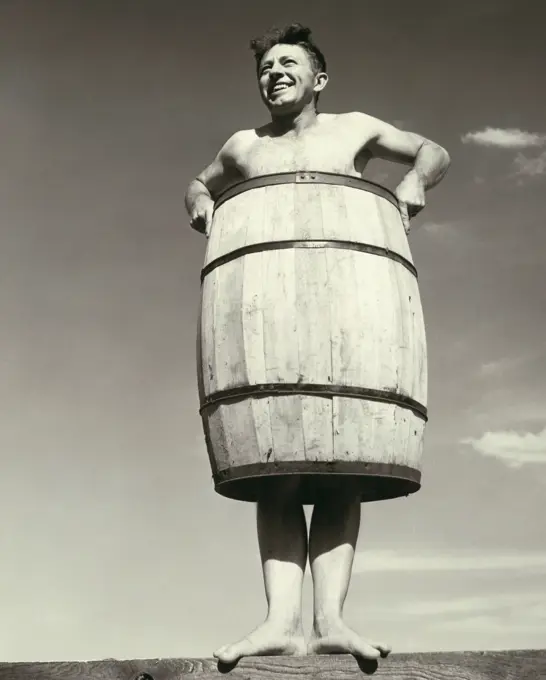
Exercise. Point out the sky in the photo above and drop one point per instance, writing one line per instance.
(113, 542)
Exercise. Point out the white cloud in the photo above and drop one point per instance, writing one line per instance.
(517, 621)
(435, 227)
(505, 619)
(530, 167)
(517, 612)
(455, 229)
(511, 447)
(506, 138)
(494, 367)
(395, 560)
(499, 367)
(521, 625)
(512, 138)
(456, 606)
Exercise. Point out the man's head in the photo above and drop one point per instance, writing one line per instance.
(290, 67)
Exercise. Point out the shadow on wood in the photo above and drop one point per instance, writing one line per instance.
(505, 665)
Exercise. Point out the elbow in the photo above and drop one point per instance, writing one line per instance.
(443, 158)
(446, 158)
(190, 188)
(444, 161)
(195, 188)
(196, 183)
(436, 150)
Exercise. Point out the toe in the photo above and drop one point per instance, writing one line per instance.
(364, 648)
(224, 654)
(233, 653)
(384, 649)
(230, 654)
(367, 651)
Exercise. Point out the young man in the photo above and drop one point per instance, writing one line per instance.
(291, 75)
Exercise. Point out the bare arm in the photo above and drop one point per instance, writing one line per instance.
(429, 161)
(199, 205)
(205, 188)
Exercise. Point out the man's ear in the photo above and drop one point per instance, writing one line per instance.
(321, 80)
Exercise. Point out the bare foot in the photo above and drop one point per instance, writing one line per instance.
(267, 640)
(338, 638)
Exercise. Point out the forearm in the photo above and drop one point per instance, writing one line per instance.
(196, 190)
(431, 163)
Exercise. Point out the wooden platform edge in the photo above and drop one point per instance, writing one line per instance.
(523, 664)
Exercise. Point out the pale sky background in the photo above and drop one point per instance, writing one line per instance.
(113, 542)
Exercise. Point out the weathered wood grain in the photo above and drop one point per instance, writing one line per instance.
(322, 316)
(505, 665)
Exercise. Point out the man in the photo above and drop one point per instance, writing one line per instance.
(291, 74)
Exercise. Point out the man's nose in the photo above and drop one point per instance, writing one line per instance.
(276, 70)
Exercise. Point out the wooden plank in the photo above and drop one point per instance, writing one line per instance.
(313, 334)
(502, 665)
(281, 353)
(254, 356)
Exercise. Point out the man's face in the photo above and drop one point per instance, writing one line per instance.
(286, 78)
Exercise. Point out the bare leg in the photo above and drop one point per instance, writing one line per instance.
(334, 531)
(282, 536)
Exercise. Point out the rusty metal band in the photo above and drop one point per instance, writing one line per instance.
(316, 243)
(306, 177)
(313, 389)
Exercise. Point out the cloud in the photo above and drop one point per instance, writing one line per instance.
(435, 227)
(497, 614)
(505, 138)
(455, 229)
(394, 560)
(499, 367)
(494, 603)
(494, 367)
(530, 167)
(498, 619)
(511, 447)
(516, 621)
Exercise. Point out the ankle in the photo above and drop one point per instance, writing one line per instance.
(288, 624)
(326, 623)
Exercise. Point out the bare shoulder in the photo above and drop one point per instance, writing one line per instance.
(225, 167)
(363, 123)
(238, 141)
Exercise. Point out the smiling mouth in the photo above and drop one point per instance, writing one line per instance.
(280, 87)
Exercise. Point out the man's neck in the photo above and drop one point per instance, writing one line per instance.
(294, 123)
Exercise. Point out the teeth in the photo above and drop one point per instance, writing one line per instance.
(280, 87)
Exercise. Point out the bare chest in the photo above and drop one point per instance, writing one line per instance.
(319, 151)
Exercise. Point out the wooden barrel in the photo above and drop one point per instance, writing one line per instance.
(311, 339)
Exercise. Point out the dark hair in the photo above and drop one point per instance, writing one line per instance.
(294, 34)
